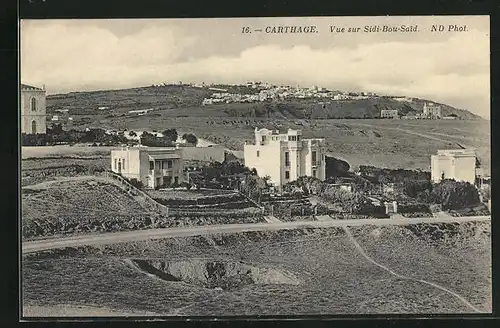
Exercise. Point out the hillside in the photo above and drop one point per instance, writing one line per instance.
(184, 100)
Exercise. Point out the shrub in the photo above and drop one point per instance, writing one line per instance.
(412, 188)
(34, 139)
(385, 175)
(170, 135)
(350, 201)
(191, 138)
(136, 183)
(455, 195)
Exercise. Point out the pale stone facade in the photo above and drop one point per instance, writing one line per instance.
(285, 157)
(457, 164)
(152, 166)
(431, 110)
(33, 110)
(389, 113)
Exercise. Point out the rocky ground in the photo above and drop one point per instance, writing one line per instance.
(310, 271)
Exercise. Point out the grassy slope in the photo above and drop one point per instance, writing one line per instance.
(335, 277)
(182, 98)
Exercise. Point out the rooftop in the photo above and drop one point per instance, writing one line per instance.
(453, 152)
(29, 87)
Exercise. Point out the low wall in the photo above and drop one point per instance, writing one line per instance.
(207, 154)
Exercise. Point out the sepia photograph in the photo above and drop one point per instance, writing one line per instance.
(278, 166)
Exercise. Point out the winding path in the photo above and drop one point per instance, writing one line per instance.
(362, 252)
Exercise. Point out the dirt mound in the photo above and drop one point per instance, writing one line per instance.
(214, 274)
(369, 133)
(455, 234)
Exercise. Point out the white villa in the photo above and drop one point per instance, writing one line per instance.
(152, 166)
(285, 157)
(458, 164)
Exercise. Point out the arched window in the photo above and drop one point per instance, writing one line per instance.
(33, 104)
(33, 127)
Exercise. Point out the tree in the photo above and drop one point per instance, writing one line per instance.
(412, 188)
(310, 185)
(132, 134)
(191, 138)
(455, 195)
(148, 139)
(336, 167)
(254, 186)
(55, 130)
(170, 135)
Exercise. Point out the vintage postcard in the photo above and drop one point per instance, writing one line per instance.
(255, 166)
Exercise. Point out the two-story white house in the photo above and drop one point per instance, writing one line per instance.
(285, 157)
(152, 166)
(457, 164)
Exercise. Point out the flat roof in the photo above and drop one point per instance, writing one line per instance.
(165, 156)
(452, 152)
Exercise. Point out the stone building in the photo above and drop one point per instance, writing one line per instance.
(33, 110)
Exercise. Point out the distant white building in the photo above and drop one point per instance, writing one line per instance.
(152, 166)
(389, 113)
(139, 111)
(457, 164)
(207, 101)
(431, 110)
(285, 157)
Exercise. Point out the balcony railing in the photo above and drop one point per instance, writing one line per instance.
(161, 172)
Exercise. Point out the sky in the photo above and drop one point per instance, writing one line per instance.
(451, 67)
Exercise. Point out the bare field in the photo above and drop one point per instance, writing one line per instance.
(64, 150)
(333, 277)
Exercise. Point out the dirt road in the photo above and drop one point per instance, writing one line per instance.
(140, 235)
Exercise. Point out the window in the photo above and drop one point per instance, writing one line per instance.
(314, 173)
(292, 138)
(314, 158)
(258, 153)
(33, 127)
(33, 104)
(287, 174)
(116, 166)
(298, 138)
(169, 164)
(123, 160)
(263, 138)
(287, 158)
(151, 165)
